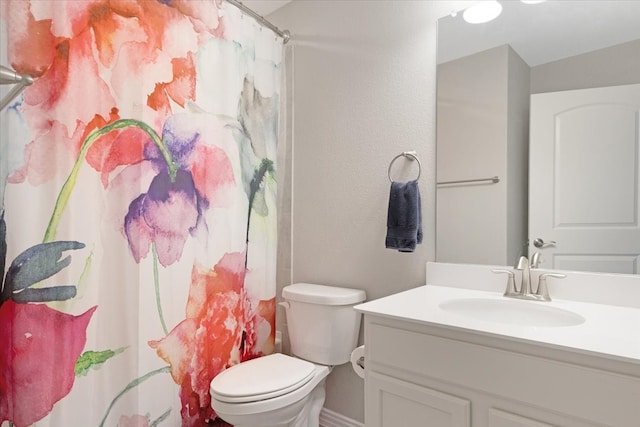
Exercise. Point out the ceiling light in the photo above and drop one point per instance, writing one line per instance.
(482, 12)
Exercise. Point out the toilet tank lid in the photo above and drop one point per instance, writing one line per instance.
(322, 294)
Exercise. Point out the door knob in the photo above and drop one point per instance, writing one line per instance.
(539, 243)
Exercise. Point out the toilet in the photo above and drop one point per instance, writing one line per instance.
(288, 391)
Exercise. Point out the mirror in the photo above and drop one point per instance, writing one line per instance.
(488, 74)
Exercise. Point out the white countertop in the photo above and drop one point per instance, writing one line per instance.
(609, 331)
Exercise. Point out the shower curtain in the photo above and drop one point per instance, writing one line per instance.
(137, 208)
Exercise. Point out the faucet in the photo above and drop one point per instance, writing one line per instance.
(525, 284)
(526, 292)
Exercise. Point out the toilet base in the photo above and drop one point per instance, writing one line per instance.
(310, 414)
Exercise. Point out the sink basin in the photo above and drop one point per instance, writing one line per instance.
(511, 311)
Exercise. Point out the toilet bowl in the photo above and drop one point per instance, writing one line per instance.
(275, 390)
(289, 391)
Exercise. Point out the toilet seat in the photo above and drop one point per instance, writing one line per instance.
(263, 378)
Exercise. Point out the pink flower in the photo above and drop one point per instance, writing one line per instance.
(219, 331)
(37, 371)
(39, 346)
(88, 57)
(133, 421)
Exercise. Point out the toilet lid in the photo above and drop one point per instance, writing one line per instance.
(262, 378)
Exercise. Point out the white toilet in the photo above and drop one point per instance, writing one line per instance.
(284, 391)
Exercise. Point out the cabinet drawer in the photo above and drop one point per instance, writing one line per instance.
(390, 402)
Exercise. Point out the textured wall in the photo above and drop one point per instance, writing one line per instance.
(364, 90)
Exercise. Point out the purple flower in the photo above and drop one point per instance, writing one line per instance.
(173, 207)
(165, 215)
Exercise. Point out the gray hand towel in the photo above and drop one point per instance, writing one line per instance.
(404, 218)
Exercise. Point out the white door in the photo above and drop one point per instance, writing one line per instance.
(583, 179)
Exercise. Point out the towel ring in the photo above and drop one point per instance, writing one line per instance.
(411, 155)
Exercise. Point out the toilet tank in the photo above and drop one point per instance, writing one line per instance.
(323, 326)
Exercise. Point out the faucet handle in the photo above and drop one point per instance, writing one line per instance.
(511, 283)
(536, 259)
(543, 290)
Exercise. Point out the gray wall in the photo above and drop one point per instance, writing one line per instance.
(483, 116)
(616, 65)
(517, 157)
(363, 91)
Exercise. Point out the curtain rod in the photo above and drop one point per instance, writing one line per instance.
(20, 82)
(286, 35)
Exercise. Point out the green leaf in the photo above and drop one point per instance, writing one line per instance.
(54, 293)
(36, 264)
(94, 359)
(256, 188)
(160, 419)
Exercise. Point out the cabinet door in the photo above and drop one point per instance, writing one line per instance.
(390, 402)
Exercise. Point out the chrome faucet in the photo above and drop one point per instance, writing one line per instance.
(525, 291)
(525, 284)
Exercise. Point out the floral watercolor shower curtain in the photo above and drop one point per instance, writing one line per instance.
(137, 207)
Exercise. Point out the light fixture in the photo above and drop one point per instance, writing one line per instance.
(532, 1)
(483, 11)
(8, 77)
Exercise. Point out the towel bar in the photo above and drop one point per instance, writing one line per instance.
(411, 155)
(492, 180)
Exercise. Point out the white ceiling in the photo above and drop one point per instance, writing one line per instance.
(543, 32)
(540, 33)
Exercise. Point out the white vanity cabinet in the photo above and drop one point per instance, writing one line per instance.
(421, 373)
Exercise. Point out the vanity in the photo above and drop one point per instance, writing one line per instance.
(457, 353)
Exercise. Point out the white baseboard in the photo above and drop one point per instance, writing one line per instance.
(329, 418)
